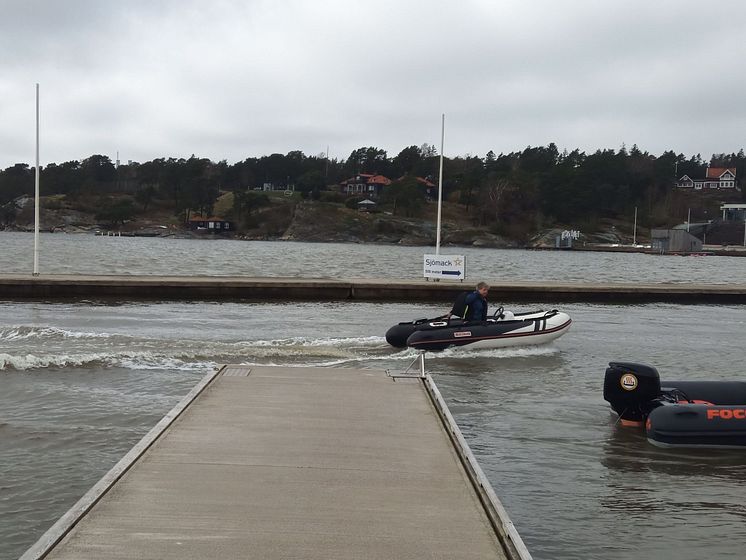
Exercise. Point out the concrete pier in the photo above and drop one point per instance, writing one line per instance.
(53, 287)
(306, 463)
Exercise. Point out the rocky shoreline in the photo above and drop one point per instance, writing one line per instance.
(310, 222)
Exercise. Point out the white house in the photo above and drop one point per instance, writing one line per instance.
(715, 178)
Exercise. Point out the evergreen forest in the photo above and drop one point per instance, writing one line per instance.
(514, 194)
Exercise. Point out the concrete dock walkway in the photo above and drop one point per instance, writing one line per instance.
(51, 287)
(293, 463)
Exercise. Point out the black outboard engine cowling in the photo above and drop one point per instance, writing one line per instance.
(632, 389)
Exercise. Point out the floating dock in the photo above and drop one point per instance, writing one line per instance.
(54, 287)
(306, 463)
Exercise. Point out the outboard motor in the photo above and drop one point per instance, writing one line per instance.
(397, 335)
(632, 390)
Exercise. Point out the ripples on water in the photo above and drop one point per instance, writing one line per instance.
(90, 254)
(81, 383)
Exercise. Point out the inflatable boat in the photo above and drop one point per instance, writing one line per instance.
(677, 413)
(501, 330)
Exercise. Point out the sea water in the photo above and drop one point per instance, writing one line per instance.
(81, 382)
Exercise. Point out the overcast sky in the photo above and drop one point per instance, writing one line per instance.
(228, 79)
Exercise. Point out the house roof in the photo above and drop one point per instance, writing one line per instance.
(379, 180)
(421, 180)
(359, 178)
(368, 179)
(717, 172)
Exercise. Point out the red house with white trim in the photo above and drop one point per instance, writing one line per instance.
(367, 184)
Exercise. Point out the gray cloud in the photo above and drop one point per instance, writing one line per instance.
(232, 79)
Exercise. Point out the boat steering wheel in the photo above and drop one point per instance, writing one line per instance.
(498, 314)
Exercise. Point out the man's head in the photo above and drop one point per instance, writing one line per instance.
(483, 288)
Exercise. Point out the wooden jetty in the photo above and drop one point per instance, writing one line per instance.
(52, 287)
(294, 463)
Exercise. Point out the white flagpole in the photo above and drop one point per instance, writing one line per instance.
(440, 182)
(36, 191)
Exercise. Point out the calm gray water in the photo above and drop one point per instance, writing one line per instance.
(80, 383)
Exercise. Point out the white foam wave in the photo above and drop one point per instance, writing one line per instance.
(309, 341)
(140, 353)
(323, 363)
(183, 355)
(21, 332)
(339, 350)
(192, 355)
(165, 363)
(31, 361)
(513, 352)
(241, 351)
(129, 360)
(460, 352)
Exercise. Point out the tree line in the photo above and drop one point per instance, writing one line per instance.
(522, 191)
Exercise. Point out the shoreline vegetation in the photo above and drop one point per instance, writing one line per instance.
(325, 223)
(608, 199)
(295, 219)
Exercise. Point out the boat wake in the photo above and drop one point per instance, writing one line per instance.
(30, 347)
(24, 332)
(126, 360)
(460, 353)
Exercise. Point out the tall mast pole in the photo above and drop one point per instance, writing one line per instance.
(36, 191)
(440, 181)
(326, 164)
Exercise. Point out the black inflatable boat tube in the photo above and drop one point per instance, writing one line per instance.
(697, 425)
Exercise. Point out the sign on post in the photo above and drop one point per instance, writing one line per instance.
(448, 267)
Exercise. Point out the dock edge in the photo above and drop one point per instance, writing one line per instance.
(54, 535)
(508, 535)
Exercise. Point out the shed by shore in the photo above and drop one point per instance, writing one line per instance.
(665, 241)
